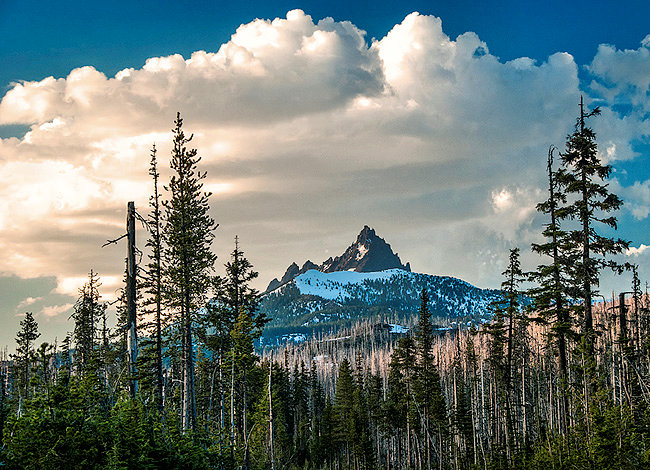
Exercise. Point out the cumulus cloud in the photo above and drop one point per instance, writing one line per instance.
(623, 76)
(636, 251)
(308, 132)
(27, 302)
(636, 196)
(269, 70)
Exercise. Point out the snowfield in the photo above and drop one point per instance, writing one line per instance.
(335, 286)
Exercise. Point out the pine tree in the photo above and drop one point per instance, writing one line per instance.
(233, 308)
(343, 409)
(260, 440)
(552, 295)
(153, 284)
(243, 359)
(510, 288)
(188, 233)
(300, 397)
(508, 320)
(87, 314)
(583, 175)
(24, 356)
(328, 443)
(427, 389)
(401, 411)
(234, 293)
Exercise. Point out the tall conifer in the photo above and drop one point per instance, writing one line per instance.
(24, 356)
(87, 314)
(188, 233)
(551, 295)
(153, 283)
(583, 176)
(427, 388)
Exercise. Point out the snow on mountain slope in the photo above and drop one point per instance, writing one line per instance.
(369, 253)
(367, 282)
(323, 302)
(336, 285)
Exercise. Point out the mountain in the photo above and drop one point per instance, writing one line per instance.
(316, 302)
(369, 253)
(292, 271)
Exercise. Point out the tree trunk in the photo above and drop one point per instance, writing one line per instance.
(132, 338)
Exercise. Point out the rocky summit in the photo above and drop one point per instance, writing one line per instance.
(369, 253)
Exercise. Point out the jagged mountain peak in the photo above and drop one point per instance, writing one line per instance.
(366, 233)
(369, 253)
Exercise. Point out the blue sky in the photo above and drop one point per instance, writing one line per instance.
(432, 128)
(51, 38)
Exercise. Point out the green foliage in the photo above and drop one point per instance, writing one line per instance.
(582, 177)
(87, 314)
(188, 233)
(24, 356)
(151, 359)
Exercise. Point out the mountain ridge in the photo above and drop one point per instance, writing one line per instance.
(315, 303)
(368, 253)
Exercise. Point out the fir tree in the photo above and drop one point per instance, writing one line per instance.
(234, 293)
(343, 409)
(153, 283)
(188, 233)
(230, 329)
(24, 356)
(400, 404)
(427, 389)
(551, 296)
(583, 175)
(508, 320)
(87, 314)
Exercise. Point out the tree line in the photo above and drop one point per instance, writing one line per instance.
(555, 379)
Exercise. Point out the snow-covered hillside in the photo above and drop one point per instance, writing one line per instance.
(340, 285)
(324, 302)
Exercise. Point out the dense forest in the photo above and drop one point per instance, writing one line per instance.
(557, 378)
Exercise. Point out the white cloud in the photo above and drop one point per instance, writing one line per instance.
(27, 302)
(308, 133)
(637, 198)
(502, 200)
(55, 310)
(634, 251)
(623, 76)
(269, 70)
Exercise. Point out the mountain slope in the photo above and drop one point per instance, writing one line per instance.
(316, 302)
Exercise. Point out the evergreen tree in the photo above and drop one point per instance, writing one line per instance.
(234, 293)
(508, 320)
(551, 296)
(24, 356)
(343, 409)
(401, 412)
(260, 440)
(583, 175)
(153, 283)
(427, 390)
(230, 328)
(87, 314)
(243, 359)
(188, 233)
(328, 444)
